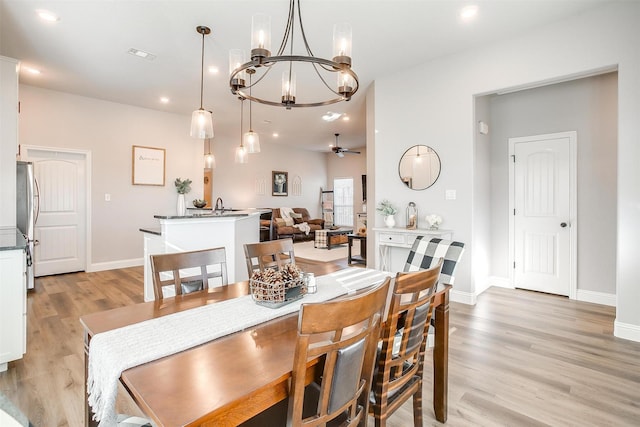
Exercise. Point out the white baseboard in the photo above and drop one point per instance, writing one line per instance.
(112, 265)
(626, 331)
(500, 282)
(596, 297)
(462, 297)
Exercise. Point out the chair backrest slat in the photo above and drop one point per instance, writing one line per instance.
(211, 263)
(273, 254)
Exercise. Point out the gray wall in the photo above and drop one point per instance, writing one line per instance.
(588, 106)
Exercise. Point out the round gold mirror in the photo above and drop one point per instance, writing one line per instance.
(419, 167)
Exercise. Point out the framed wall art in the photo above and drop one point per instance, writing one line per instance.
(148, 165)
(279, 183)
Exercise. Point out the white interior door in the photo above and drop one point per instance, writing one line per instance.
(544, 222)
(61, 224)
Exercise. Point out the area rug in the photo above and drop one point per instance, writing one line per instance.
(306, 250)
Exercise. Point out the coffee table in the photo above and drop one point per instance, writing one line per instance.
(328, 238)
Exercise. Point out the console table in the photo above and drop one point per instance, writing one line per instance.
(394, 244)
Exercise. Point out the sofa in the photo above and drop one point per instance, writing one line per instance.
(281, 230)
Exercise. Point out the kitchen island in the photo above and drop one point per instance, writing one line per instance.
(230, 229)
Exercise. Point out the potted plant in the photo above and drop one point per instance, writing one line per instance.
(183, 186)
(388, 211)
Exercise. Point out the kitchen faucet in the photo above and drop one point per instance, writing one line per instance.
(221, 207)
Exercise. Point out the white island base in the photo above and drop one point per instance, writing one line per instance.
(179, 234)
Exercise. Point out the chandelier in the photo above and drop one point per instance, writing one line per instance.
(263, 63)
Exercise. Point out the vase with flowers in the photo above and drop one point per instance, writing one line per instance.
(183, 186)
(388, 211)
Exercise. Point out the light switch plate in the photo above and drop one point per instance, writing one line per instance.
(450, 194)
(107, 197)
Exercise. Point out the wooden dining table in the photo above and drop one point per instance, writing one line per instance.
(230, 379)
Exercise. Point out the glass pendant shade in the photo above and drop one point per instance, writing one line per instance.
(251, 141)
(260, 36)
(209, 161)
(342, 36)
(241, 155)
(202, 124)
(346, 83)
(236, 59)
(288, 87)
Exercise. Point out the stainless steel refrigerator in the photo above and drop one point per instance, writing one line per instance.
(27, 208)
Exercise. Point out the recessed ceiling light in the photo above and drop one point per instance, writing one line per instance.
(214, 70)
(346, 118)
(164, 100)
(45, 15)
(469, 12)
(33, 71)
(331, 116)
(275, 134)
(142, 54)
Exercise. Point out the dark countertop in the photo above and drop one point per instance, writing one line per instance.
(207, 213)
(11, 238)
(152, 230)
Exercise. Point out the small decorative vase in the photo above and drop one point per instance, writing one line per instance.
(181, 208)
(389, 221)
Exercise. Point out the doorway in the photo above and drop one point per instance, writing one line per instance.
(543, 206)
(61, 229)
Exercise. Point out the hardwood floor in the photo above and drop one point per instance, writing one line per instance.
(516, 358)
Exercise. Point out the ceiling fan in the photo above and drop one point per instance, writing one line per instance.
(339, 150)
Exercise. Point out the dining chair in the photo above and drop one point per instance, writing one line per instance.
(400, 364)
(343, 334)
(212, 263)
(275, 253)
(425, 253)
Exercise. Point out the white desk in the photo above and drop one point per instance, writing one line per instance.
(394, 244)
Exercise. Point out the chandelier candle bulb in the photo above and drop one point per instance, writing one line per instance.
(342, 36)
(260, 36)
(236, 59)
(288, 87)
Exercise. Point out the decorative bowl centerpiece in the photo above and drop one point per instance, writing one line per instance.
(199, 203)
(274, 288)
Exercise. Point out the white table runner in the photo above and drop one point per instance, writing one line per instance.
(112, 352)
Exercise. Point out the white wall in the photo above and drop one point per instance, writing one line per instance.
(349, 166)
(109, 130)
(440, 105)
(588, 106)
(239, 185)
(482, 206)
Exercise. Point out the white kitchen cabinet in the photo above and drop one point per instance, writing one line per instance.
(13, 297)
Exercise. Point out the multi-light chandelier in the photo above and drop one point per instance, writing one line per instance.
(263, 63)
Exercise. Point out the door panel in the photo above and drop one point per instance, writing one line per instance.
(542, 194)
(60, 228)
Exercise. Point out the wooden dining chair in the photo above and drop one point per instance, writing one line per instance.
(400, 364)
(344, 334)
(275, 253)
(212, 263)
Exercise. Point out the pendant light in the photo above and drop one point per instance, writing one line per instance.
(251, 138)
(209, 158)
(241, 152)
(201, 120)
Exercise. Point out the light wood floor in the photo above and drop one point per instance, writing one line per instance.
(516, 358)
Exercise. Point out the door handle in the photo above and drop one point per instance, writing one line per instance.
(563, 224)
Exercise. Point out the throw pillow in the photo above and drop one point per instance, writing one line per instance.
(297, 218)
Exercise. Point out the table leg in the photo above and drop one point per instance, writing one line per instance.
(349, 243)
(441, 360)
